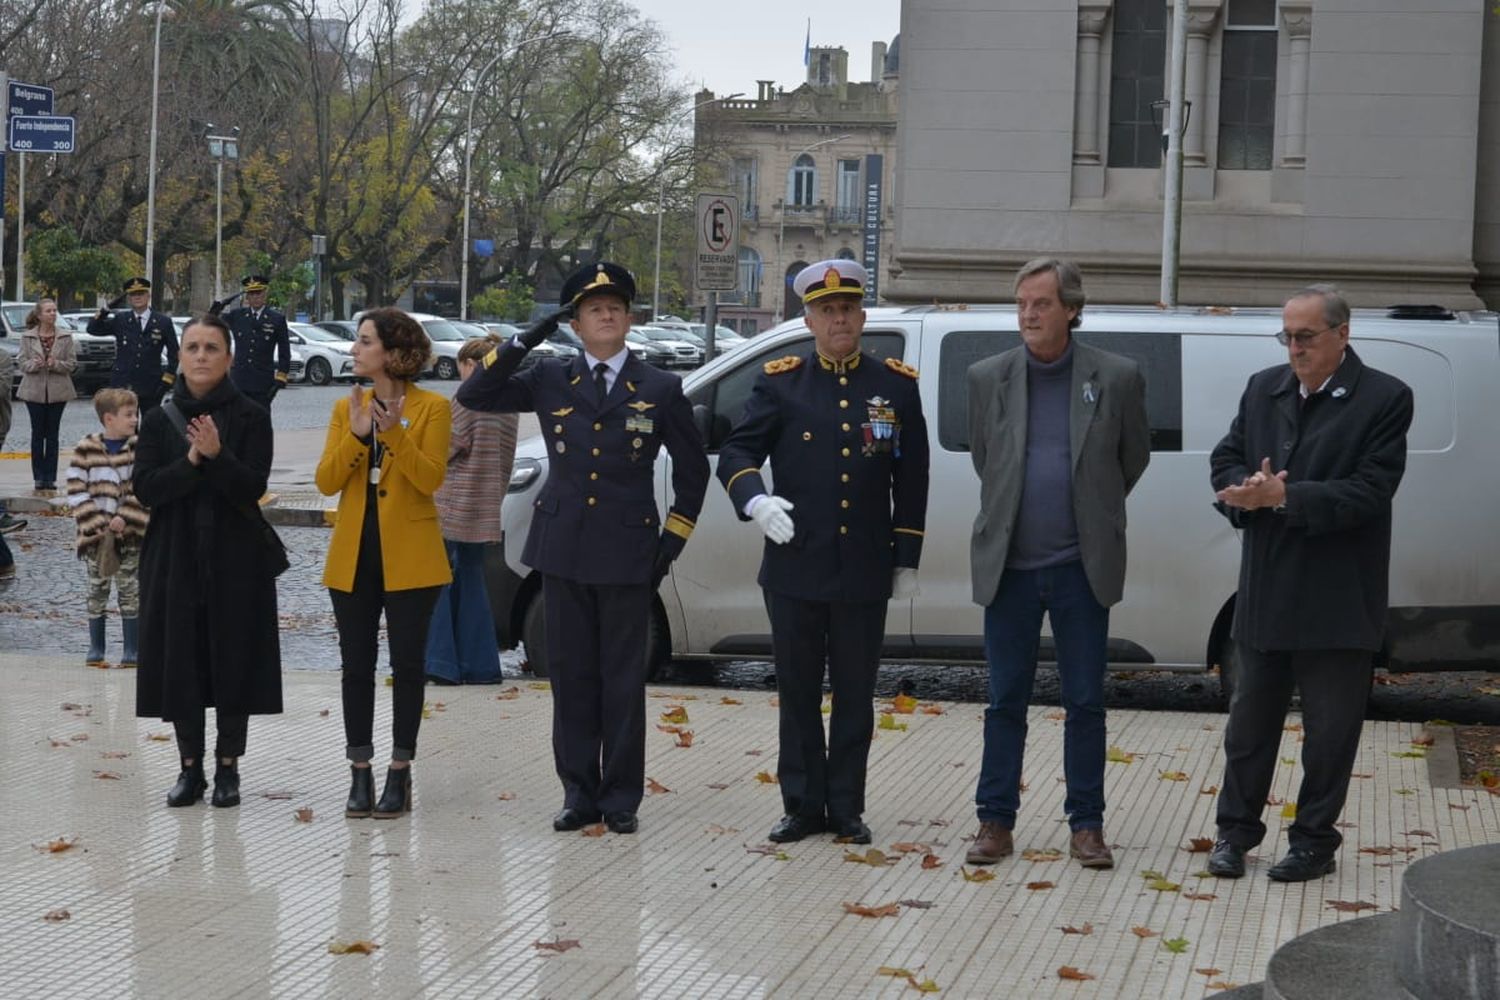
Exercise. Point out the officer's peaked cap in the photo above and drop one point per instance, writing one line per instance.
(600, 278)
(830, 277)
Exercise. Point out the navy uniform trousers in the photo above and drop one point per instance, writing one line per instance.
(848, 446)
(595, 531)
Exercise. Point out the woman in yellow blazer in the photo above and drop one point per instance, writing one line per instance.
(385, 456)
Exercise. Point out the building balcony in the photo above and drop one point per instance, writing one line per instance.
(811, 216)
(749, 300)
(845, 215)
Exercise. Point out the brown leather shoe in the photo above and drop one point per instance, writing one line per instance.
(1089, 848)
(992, 843)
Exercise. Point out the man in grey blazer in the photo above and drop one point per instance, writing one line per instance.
(1058, 435)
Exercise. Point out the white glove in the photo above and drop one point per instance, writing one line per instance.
(904, 584)
(770, 512)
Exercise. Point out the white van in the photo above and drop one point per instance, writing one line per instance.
(1183, 555)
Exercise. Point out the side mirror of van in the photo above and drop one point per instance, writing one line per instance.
(704, 419)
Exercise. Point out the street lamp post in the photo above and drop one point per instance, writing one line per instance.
(781, 228)
(221, 148)
(463, 281)
(151, 154)
(661, 196)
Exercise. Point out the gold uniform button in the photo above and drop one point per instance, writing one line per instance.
(598, 427)
(843, 530)
(596, 452)
(844, 477)
(557, 429)
(843, 404)
(846, 452)
(844, 504)
(845, 426)
(807, 435)
(592, 501)
(843, 380)
(593, 475)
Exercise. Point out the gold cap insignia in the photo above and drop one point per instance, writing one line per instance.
(831, 278)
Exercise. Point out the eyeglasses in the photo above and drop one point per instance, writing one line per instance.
(1301, 338)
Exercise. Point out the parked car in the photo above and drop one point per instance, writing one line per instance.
(673, 353)
(327, 354)
(502, 330)
(96, 355)
(1184, 556)
(724, 338)
(345, 329)
(298, 370)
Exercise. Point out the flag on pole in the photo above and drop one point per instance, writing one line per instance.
(807, 44)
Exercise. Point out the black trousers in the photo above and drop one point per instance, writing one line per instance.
(407, 615)
(263, 398)
(806, 635)
(233, 730)
(596, 655)
(46, 419)
(1335, 685)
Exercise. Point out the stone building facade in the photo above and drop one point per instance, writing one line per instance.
(813, 169)
(1331, 140)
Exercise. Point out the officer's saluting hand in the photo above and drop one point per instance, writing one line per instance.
(596, 535)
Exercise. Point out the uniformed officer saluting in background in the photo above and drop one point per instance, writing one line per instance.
(848, 447)
(262, 345)
(596, 536)
(140, 334)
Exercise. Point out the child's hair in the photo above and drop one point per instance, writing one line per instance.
(113, 401)
(475, 348)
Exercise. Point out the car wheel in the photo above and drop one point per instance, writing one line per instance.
(534, 637)
(446, 368)
(319, 372)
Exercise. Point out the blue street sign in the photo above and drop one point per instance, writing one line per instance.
(41, 134)
(27, 99)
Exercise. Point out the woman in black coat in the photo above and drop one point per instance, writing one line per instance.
(208, 586)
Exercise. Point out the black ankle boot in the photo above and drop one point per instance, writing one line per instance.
(189, 787)
(395, 797)
(226, 785)
(361, 792)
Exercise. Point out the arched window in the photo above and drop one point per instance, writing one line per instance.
(846, 254)
(802, 182)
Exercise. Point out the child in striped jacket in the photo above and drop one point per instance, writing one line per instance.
(111, 521)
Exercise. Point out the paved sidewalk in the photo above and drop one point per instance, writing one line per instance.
(246, 902)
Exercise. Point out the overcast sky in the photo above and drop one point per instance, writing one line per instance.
(727, 47)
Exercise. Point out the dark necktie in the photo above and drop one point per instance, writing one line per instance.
(600, 386)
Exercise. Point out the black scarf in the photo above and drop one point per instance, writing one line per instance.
(212, 403)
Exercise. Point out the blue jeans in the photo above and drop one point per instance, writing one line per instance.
(1012, 634)
(461, 643)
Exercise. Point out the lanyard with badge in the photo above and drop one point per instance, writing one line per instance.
(377, 449)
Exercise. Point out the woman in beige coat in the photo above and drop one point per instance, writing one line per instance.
(47, 360)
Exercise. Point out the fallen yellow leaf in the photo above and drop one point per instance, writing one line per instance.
(1289, 811)
(888, 721)
(1118, 756)
(1041, 854)
(352, 948)
(766, 778)
(860, 909)
(1173, 775)
(903, 704)
(977, 875)
(676, 714)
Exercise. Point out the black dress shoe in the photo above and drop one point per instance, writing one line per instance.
(570, 819)
(794, 827)
(849, 830)
(623, 821)
(361, 792)
(190, 786)
(1302, 865)
(395, 797)
(1226, 860)
(226, 785)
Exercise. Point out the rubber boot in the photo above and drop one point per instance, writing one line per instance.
(132, 629)
(96, 644)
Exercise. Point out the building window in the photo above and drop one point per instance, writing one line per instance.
(750, 269)
(846, 254)
(849, 191)
(1136, 75)
(745, 185)
(802, 182)
(1247, 89)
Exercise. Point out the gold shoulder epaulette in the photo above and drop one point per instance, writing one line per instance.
(790, 363)
(900, 367)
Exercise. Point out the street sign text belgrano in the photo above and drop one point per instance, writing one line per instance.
(717, 265)
(41, 134)
(27, 99)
